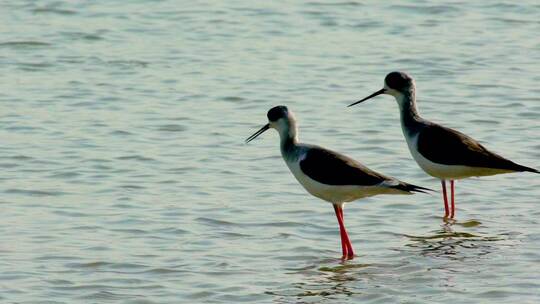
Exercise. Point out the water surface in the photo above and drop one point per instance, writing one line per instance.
(125, 178)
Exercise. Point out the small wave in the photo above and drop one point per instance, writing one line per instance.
(9, 165)
(132, 187)
(343, 268)
(107, 265)
(120, 133)
(344, 3)
(233, 98)
(71, 213)
(105, 295)
(456, 245)
(446, 235)
(51, 10)
(55, 257)
(428, 10)
(34, 192)
(181, 169)
(64, 175)
(215, 222)
(172, 128)
(34, 66)
(24, 44)
(174, 231)
(82, 36)
(164, 271)
(136, 157)
(130, 231)
(21, 157)
(128, 63)
(97, 264)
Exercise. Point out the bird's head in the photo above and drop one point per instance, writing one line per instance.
(397, 84)
(279, 118)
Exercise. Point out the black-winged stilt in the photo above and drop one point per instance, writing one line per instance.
(328, 175)
(441, 152)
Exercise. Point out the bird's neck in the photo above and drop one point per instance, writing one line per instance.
(410, 119)
(289, 141)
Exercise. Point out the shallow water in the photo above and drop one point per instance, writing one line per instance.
(126, 180)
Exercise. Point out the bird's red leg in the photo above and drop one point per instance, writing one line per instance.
(350, 250)
(452, 196)
(443, 183)
(344, 235)
(340, 221)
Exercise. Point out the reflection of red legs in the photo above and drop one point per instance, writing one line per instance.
(443, 183)
(452, 196)
(346, 246)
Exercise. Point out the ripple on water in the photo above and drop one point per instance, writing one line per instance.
(34, 66)
(337, 3)
(20, 158)
(106, 295)
(101, 114)
(136, 158)
(39, 193)
(128, 63)
(141, 301)
(172, 231)
(428, 9)
(107, 266)
(68, 213)
(121, 133)
(346, 267)
(335, 287)
(457, 245)
(82, 36)
(54, 10)
(24, 44)
(132, 187)
(172, 128)
(233, 98)
(24, 129)
(164, 271)
(8, 165)
(215, 222)
(64, 175)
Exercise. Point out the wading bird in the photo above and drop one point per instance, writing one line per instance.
(441, 152)
(328, 175)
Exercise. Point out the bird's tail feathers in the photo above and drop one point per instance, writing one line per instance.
(527, 169)
(413, 188)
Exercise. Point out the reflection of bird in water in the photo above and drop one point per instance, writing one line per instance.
(447, 242)
(327, 282)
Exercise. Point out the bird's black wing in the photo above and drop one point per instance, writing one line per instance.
(449, 147)
(332, 168)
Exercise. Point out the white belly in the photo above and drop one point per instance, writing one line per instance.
(337, 194)
(450, 172)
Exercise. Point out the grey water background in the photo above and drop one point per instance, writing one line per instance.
(125, 178)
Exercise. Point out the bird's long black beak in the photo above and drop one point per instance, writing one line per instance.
(261, 131)
(379, 92)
